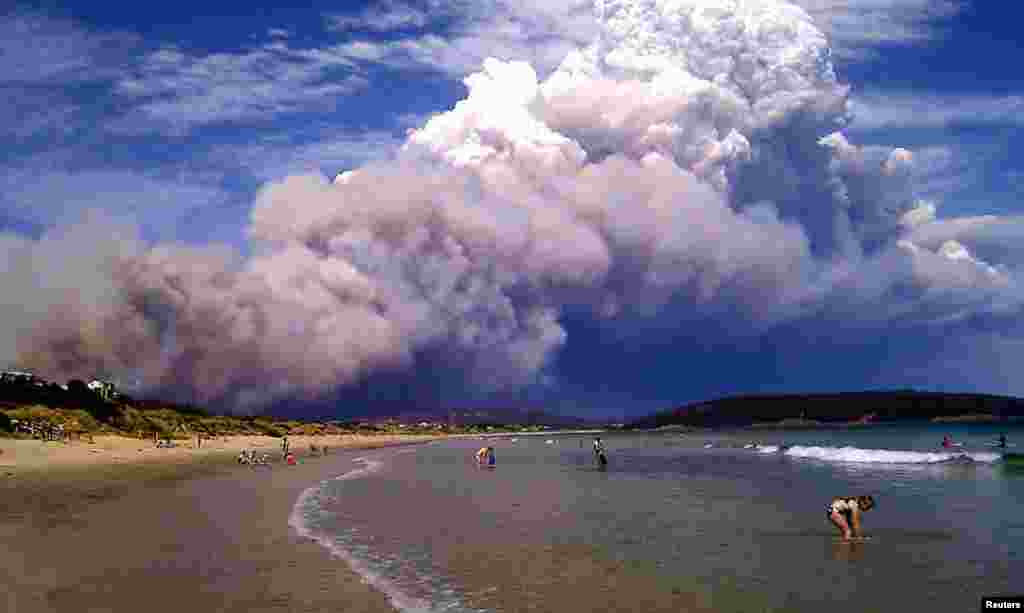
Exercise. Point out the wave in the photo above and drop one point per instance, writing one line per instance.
(309, 503)
(885, 456)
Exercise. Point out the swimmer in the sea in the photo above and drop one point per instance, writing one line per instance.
(845, 513)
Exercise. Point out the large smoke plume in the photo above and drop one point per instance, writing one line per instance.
(688, 165)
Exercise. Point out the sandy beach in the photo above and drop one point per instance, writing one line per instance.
(119, 525)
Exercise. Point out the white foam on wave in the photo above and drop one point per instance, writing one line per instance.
(309, 501)
(767, 449)
(887, 456)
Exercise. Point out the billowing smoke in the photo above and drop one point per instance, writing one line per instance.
(689, 165)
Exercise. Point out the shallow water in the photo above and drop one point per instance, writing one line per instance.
(672, 525)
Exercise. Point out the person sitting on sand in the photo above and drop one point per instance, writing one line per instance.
(845, 514)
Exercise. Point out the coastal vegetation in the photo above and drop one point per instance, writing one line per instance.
(32, 407)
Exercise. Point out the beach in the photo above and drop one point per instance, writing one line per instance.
(120, 525)
(421, 528)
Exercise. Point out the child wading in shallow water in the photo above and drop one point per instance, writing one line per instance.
(845, 514)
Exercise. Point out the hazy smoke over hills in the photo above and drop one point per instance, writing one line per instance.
(687, 164)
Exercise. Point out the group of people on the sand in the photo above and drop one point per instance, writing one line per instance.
(41, 429)
(248, 456)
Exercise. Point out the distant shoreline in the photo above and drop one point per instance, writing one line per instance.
(528, 433)
(795, 425)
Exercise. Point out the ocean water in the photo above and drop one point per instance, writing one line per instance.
(682, 522)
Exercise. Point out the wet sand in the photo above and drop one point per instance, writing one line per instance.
(181, 532)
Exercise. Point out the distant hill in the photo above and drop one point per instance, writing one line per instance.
(482, 417)
(826, 409)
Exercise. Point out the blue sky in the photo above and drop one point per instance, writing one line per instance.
(170, 120)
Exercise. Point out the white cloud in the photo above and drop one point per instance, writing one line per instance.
(856, 28)
(54, 197)
(894, 109)
(36, 49)
(542, 32)
(539, 32)
(941, 171)
(382, 17)
(275, 157)
(42, 61)
(181, 90)
(33, 111)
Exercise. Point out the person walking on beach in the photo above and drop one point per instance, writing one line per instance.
(845, 513)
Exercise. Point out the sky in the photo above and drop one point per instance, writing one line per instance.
(600, 208)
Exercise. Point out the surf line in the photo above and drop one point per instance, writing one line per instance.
(309, 501)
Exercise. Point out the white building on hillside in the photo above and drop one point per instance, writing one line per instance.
(103, 389)
(18, 376)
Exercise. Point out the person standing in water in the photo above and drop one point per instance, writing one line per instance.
(947, 442)
(485, 455)
(599, 452)
(1002, 440)
(845, 514)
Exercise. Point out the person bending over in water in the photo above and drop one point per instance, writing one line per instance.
(845, 513)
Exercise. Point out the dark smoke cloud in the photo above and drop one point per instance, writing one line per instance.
(685, 177)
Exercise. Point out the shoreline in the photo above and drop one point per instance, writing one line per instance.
(191, 531)
(684, 429)
(526, 433)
